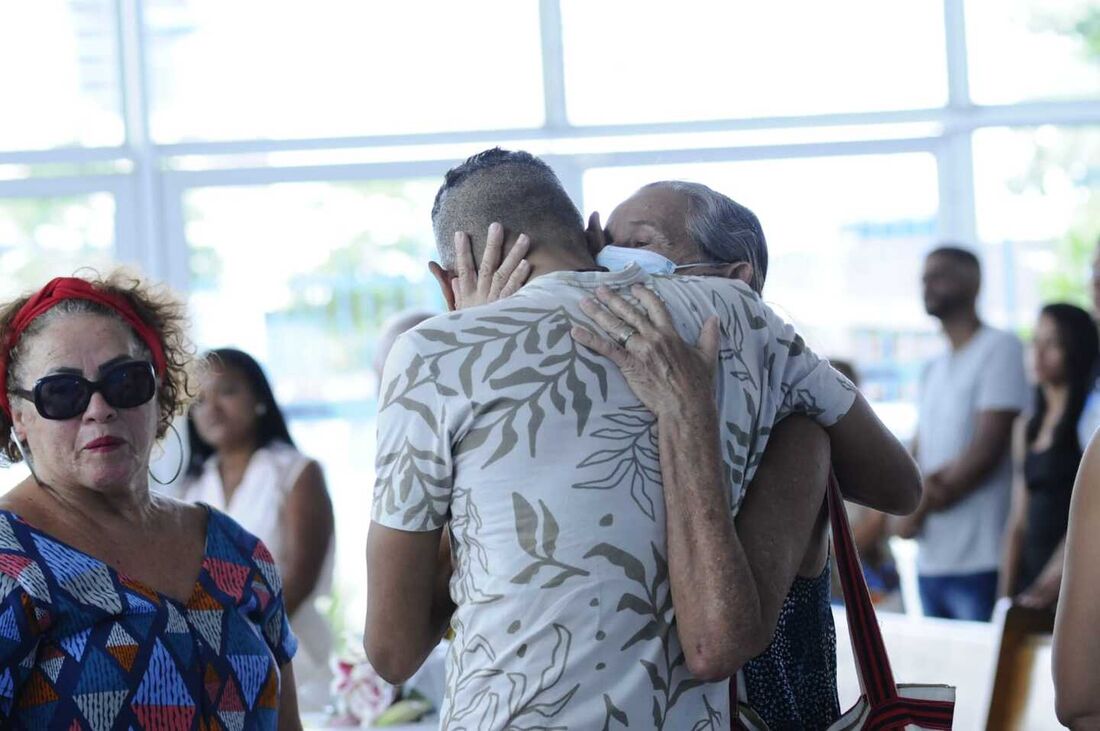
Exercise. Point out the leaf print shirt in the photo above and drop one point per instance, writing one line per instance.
(543, 465)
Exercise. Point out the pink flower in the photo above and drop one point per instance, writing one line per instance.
(359, 692)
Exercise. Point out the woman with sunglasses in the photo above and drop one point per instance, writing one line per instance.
(121, 608)
(243, 461)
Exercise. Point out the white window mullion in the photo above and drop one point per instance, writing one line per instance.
(954, 156)
(553, 64)
(144, 234)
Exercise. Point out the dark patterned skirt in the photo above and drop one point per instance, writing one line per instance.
(792, 684)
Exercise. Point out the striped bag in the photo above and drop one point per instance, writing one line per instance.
(883, 704)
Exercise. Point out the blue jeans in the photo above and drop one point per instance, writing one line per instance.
(959, 596)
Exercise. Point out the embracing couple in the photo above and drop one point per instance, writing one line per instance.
(605, 470)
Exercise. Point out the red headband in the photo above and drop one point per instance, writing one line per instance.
(73, 288)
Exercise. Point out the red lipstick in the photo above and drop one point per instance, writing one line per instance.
(104, 444)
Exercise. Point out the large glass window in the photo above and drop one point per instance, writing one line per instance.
(59, 75)
(1024, 50)
(334, 68)
(1037, 203)
(303, 276)
(659, 62)
(43, 238)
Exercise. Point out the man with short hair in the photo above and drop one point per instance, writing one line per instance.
(970, 396)
(568, 545)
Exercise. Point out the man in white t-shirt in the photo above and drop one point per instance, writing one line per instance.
(970, 396)
(546, 469)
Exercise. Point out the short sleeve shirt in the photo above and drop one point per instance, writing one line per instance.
(84, 646)
(546, 467)
(986, 374)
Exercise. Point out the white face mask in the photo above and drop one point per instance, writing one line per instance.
(616, 258)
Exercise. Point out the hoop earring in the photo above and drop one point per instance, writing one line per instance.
(179, 469)
(25, 454)
(18, 446)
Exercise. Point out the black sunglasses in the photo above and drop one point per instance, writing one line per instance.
(65, 395)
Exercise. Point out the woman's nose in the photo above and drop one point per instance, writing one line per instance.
(98, 409)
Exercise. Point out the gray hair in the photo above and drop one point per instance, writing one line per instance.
(513, 188)
(723, 228)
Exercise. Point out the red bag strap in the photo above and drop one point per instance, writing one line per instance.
(872, 663)
(876, 677)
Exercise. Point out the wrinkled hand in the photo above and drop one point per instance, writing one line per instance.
(495, 279)
(666, 374)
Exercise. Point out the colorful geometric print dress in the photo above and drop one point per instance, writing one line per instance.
(83, 646)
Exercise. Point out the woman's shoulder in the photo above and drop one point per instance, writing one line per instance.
(282, 454)
(28, 556)
(286, 462)
(16, 539)
(230, 542)
(1087, 483)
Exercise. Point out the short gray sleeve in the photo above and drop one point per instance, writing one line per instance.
(1003, 385)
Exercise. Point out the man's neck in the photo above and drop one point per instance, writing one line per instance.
(961, 326)
(559, 260)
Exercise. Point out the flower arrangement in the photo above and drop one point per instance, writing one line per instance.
(359, 692)
(363, 699)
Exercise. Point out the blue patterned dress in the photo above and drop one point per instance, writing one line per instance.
(83, 646)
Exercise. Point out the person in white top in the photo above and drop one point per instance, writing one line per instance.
(244, 463)
(970, 397)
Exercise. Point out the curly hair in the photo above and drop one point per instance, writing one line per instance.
(154, 304)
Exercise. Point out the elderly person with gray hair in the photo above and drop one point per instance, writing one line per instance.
(675, 226)
(697, 228)
(703, 232)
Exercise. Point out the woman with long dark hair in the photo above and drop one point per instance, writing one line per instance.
(1047, 454)
(244, 462)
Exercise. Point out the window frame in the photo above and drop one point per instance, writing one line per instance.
(150, 187)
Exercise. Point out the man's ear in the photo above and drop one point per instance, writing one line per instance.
(594, 234)
(444, 278)
(741, 270)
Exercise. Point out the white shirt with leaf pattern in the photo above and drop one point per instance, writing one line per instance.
(536, 454)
